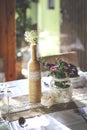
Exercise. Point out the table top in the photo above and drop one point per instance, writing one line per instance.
(63, 113)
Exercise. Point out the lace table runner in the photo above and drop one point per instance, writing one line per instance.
(21, 104)
(17, 104)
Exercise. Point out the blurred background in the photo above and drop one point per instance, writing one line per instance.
(61, 27)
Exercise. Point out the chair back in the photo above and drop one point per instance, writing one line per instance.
(69, 57)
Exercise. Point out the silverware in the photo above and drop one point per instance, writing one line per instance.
(46, 84)
(11, 86)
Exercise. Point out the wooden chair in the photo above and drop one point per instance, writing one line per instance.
(69, 57)
(2, 70)
(19, 64)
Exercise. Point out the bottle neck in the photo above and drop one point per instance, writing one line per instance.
(33, 52)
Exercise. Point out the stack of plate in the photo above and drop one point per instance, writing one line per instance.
(79, 81)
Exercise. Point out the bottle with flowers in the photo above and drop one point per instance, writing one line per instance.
(34, 75)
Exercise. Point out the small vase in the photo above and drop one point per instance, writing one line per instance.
(63, 93)
(48, 99)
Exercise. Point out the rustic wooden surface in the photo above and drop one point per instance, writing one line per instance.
(42, 110)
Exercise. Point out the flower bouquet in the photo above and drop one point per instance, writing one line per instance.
(61, 72)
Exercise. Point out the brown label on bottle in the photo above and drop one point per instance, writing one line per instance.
(34, 75)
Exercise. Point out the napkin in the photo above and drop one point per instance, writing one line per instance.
(82, 74)
(83, 112)
(44, 122)
(4, 126)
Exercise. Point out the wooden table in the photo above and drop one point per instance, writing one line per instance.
(19, 89)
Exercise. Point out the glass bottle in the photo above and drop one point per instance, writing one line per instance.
(34, 77)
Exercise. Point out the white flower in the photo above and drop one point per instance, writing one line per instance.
(31, 36)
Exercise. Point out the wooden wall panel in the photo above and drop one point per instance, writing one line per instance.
(8, 37)
(3, 29)
(74, 16)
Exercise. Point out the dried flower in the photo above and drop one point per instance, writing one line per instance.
(31, 36)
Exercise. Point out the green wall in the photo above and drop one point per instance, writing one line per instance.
(48, 28)
(33, 12)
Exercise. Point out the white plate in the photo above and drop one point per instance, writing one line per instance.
(78, 81)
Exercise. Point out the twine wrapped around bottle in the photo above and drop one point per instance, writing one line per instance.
(34, 77)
